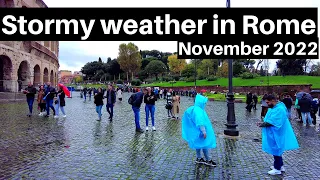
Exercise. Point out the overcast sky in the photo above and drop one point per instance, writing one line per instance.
(73, 55)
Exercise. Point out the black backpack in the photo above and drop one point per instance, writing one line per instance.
(131, 99)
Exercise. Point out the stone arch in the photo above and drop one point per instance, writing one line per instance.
(37, 75)
(5, 74)
(45, 75)
(52, 78)
(23, 75)
(55, 79)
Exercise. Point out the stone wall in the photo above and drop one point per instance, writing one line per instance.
(254, 89)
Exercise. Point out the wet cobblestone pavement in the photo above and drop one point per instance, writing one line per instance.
(79, 147)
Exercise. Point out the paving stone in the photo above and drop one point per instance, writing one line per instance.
(79, 147)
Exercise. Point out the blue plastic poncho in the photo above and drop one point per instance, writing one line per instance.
(280, 137)
(193, 118)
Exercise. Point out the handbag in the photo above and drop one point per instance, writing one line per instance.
(169, 106)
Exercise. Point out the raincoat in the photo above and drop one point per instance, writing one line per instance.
(194, 118)
(280, 137)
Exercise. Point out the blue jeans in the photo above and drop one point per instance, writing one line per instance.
(57, 109)
(278, 162)
(85, 96)
(136, 111)
(304, 117)
(30, 104)
(49, 105)
(98, 110)
(205, 152)
(110, 109)
(150, 109)
(289, 112)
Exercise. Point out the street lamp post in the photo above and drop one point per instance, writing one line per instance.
(231, 118)
(195, 75)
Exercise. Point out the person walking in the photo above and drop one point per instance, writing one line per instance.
(197, 130)
(287, 101)
(264, 106)
(119, 94)
(85, 91)
(165, 93)
(255, 101)
(176, 105)
(41, 101)
(249, 102)
(60, 102)
(314, 110)
(90, 93)
(149, 99)
(50, 93)
(169, 105)
(98, 101)
(277, 134)
(161, 93)
(305, 108)
(110, 95)
(30, 92)
(297, 107)
(136, 101)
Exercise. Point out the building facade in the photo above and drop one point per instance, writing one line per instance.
(22, 62)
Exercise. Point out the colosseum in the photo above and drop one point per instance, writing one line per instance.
(22, 62)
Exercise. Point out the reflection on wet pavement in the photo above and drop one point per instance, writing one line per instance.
(79, 147)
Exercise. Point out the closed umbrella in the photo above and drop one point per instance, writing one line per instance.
(65, 89)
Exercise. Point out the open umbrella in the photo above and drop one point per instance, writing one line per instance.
(203, 90)
(65, 89)
(300, 94)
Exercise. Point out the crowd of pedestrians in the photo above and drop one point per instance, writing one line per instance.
(277, 133)
(48, 98)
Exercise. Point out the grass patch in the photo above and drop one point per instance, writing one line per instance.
(259, 81)
(222, 97)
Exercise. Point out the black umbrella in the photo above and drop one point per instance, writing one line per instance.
(300, 94)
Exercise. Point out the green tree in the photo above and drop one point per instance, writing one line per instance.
(188, 71)
(78, 79)
(176, 65)
(156, 67)
(129, 59)
(206, 67)
(90, 69)
(223, 70)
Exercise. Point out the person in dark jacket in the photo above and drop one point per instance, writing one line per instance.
(30, 92)
(314, 110)
(41, 101)
(255, 101)
(60, 102)
(50, 93)
(98, 100)
(110, 94)
(305, 108)
(85, 91)
(137, 101)
(150, 99)
(287, 101)
(249, 102)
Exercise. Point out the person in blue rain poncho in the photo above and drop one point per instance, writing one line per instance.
(277, 134)
(197, 130)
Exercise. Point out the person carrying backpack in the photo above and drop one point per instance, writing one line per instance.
(135, 101)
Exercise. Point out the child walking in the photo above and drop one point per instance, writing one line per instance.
(197, 130)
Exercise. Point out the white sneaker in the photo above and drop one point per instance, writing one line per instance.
(274, 172)
(56, 117)
(40, 114)
(304, 125)
(153, 128)
(64, 115)
(147, 129)
(311, 125)
(282, 168)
